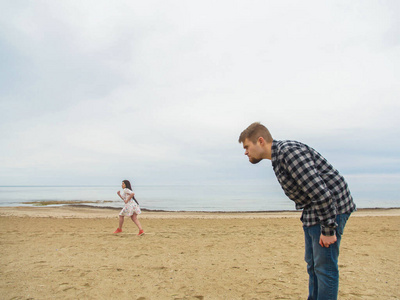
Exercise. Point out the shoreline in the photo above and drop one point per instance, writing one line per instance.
(87, 211)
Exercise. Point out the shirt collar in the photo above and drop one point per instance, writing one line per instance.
(274, 152)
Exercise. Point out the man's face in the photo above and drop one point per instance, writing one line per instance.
(253, 151)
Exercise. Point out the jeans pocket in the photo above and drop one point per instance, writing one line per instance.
(341, 221)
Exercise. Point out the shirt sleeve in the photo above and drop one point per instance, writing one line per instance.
(301, 166)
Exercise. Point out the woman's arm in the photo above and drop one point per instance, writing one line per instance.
(128, 197)
(119, 194)
(131, 195)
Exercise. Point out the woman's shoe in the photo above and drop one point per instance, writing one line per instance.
(118, 230)
(141, 232)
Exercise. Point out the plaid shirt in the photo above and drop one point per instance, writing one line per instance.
(312, 183)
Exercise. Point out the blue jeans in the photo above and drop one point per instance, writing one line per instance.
(322, 262)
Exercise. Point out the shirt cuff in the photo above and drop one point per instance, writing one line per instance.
(328, 229)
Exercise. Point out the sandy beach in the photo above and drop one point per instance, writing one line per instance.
(71, 253)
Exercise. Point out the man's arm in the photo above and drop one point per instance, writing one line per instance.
(326, 241)
(301, 166)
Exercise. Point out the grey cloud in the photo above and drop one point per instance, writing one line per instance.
(163, 89)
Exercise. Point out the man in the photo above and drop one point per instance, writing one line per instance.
(319, 190)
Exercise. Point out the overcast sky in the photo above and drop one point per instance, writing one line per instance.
(94, 92)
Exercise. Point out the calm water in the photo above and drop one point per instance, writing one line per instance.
(261, 197)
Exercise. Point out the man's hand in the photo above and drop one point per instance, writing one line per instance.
(325, 241)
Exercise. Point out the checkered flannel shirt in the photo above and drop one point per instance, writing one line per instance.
(312, 183)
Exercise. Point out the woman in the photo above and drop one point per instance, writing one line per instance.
(131, 208)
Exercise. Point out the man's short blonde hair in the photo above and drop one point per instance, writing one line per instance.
(254, 131)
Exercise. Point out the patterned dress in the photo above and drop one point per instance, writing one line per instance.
(131, 207)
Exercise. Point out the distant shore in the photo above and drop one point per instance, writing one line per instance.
(88, 211)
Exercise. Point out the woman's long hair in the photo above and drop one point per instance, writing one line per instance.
(128, 186)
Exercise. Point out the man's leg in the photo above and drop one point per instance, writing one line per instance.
(309, 258)
(322, 262)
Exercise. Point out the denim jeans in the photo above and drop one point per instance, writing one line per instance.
(322, 262)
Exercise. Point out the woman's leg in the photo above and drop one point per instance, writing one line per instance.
(136, 221)
(121, 221)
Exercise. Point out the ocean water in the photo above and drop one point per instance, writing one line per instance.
(223, 197)
(155, 197)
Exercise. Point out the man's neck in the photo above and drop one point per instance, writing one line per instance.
(268, 151)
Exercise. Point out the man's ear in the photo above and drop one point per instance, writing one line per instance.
(261, 141)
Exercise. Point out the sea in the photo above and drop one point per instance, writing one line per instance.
(208, 198)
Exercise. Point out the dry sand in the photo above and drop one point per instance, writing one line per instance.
(71, 253)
